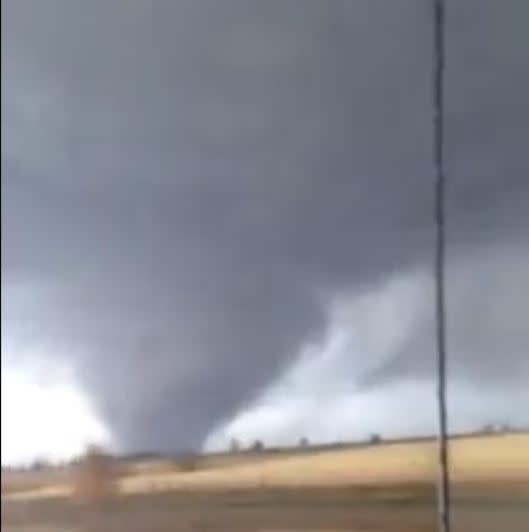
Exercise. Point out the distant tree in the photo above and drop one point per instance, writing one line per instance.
(39, 464)
(303, 442)
(257, 446)
(235, 445)
(374, 439)
(488, 429)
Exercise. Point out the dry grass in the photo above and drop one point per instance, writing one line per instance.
(157, 466)
(380, 488)
(485, 459)
(474, 460)
(20, 482)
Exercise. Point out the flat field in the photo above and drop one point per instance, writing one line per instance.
(385, 487)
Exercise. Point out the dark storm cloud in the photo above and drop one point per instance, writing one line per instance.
(182, 181)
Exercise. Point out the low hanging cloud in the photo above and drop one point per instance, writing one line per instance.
(374, 369)
(189, 187)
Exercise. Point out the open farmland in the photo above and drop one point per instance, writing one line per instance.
(390, 486)
(485, 459)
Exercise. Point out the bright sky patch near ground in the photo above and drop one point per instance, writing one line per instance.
(45, 418)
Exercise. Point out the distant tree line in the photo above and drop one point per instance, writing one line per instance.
(259, 446)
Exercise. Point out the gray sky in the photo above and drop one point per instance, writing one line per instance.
(190, 188)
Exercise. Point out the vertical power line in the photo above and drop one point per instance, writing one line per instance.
(438, 102)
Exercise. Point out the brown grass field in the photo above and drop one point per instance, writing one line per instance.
(385, 487)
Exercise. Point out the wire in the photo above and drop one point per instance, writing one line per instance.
(438, 101)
